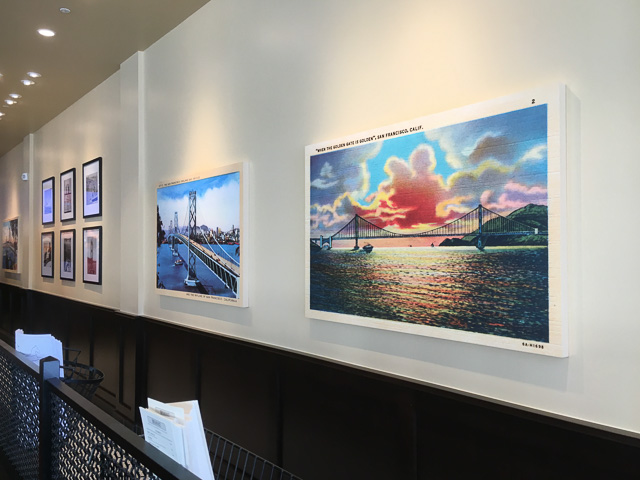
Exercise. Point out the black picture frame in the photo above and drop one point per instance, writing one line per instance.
(68, 254)
(92, 255)
(68, 195)
(49, 201)
(47, 254)
(92, 188)
(11, 257)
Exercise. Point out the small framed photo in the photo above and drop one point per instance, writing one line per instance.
(46, 254)
(92, 255)
(92, 188)
(48, 201)
(68, 195)
(68, 254)
(10, 245)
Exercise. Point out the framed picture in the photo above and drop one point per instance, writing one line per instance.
(68, 195)
(92, 188)
(46, 254)
(48, 201)
(10, 245)
(202, 236)
(448, 226)
(68, 254)
(92, 255)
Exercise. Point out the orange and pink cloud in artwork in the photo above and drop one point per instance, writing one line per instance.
(420, 181)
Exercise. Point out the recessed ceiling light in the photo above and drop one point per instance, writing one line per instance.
(2, 114)
(34, 74)
(15, 95)
(65, 10)
(45, 32)
(27, 82)
(8, 101)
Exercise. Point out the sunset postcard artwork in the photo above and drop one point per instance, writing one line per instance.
(446, 226)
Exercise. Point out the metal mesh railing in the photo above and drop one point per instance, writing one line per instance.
(81, 450)
(50, 431)
(48, 428)
(19, 406)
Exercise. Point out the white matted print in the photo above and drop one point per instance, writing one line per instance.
(10, 245)
(92, 188)
(92, 255)
(68, 254)
(46, 254)
(448, 226)
(48, 201)
(201, 236)
(68, 195)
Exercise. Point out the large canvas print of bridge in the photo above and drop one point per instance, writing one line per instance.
(446, 226)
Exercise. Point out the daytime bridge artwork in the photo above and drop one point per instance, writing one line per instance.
(200, 235)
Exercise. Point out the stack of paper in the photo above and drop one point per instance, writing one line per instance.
(176, 430)
(36, 347)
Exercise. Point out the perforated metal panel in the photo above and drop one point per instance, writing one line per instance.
(81, 450)
(19, 407)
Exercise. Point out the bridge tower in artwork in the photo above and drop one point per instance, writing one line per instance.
(174, 230)
(480, 244)
(192, 279)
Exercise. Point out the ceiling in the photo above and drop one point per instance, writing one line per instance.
(90, 44)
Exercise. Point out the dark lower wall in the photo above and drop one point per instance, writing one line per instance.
(317, 419)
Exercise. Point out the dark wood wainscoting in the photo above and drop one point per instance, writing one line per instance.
(105, 339)
(318, 419)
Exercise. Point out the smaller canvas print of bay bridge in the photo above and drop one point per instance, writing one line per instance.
(198, 237)
(446, 227)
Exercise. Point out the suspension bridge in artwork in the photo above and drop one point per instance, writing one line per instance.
(226, 269)
(480, 222)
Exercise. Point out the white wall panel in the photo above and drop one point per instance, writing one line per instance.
(86, 130)
(255, 82)
(14, 202)
(249, 81)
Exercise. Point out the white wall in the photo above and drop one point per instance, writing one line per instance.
(257, 81)
(14, 202)
(86, 130)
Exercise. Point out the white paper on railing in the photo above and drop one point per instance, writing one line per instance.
(167, 410)
(176, 429)
(36, 347)
(164, 434)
